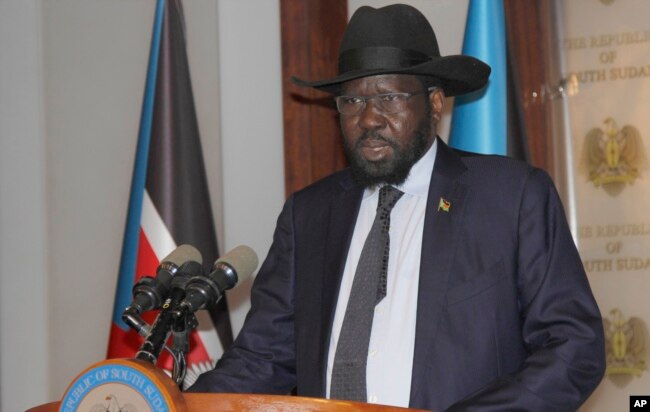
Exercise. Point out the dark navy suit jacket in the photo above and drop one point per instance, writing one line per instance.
(505, 319)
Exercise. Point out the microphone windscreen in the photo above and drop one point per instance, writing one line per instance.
(242, 259)
(182, 254)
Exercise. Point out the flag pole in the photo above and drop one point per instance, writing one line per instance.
(128, 259)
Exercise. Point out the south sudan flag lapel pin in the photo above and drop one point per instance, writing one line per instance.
(444, 205)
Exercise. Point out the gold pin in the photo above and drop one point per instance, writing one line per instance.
(444, 205)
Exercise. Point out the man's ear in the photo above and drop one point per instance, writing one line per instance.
(437, 102)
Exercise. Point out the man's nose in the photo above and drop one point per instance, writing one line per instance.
(371, 117)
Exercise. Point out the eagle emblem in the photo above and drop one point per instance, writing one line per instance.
(624, 345)
(113, 406)
(613, 157)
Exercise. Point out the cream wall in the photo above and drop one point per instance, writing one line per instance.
(72, 75)
(93, 71)
(24, 324)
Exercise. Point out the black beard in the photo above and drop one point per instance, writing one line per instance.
(391, 172)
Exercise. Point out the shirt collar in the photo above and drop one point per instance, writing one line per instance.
(417, 182)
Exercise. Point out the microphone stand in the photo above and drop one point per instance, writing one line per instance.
(181, 327)
(168, 321)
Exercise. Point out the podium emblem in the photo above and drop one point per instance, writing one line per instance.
(117, 385)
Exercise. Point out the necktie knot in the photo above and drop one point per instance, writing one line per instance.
(388, 197)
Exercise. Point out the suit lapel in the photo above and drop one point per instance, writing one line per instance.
(439, 241)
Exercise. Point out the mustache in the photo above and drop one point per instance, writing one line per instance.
(374, 136)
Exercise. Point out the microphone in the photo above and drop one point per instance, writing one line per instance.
(149, 292)
(204, 291)
(157, 335)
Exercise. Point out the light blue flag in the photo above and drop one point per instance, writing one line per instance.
(479, 122)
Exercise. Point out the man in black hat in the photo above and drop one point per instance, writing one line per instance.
(420, 276)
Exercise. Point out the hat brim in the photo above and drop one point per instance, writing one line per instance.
(458, 74)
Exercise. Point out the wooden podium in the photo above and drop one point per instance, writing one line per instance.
(122, 383)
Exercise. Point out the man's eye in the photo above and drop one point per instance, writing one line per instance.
(390, 97)
(352, 100)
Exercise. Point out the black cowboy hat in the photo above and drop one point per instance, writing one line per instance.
(398, 39)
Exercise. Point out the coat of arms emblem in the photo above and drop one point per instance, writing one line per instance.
(613, 157)
(113, 406)
(624, 345)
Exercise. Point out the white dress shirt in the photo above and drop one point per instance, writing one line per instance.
(392, 340)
